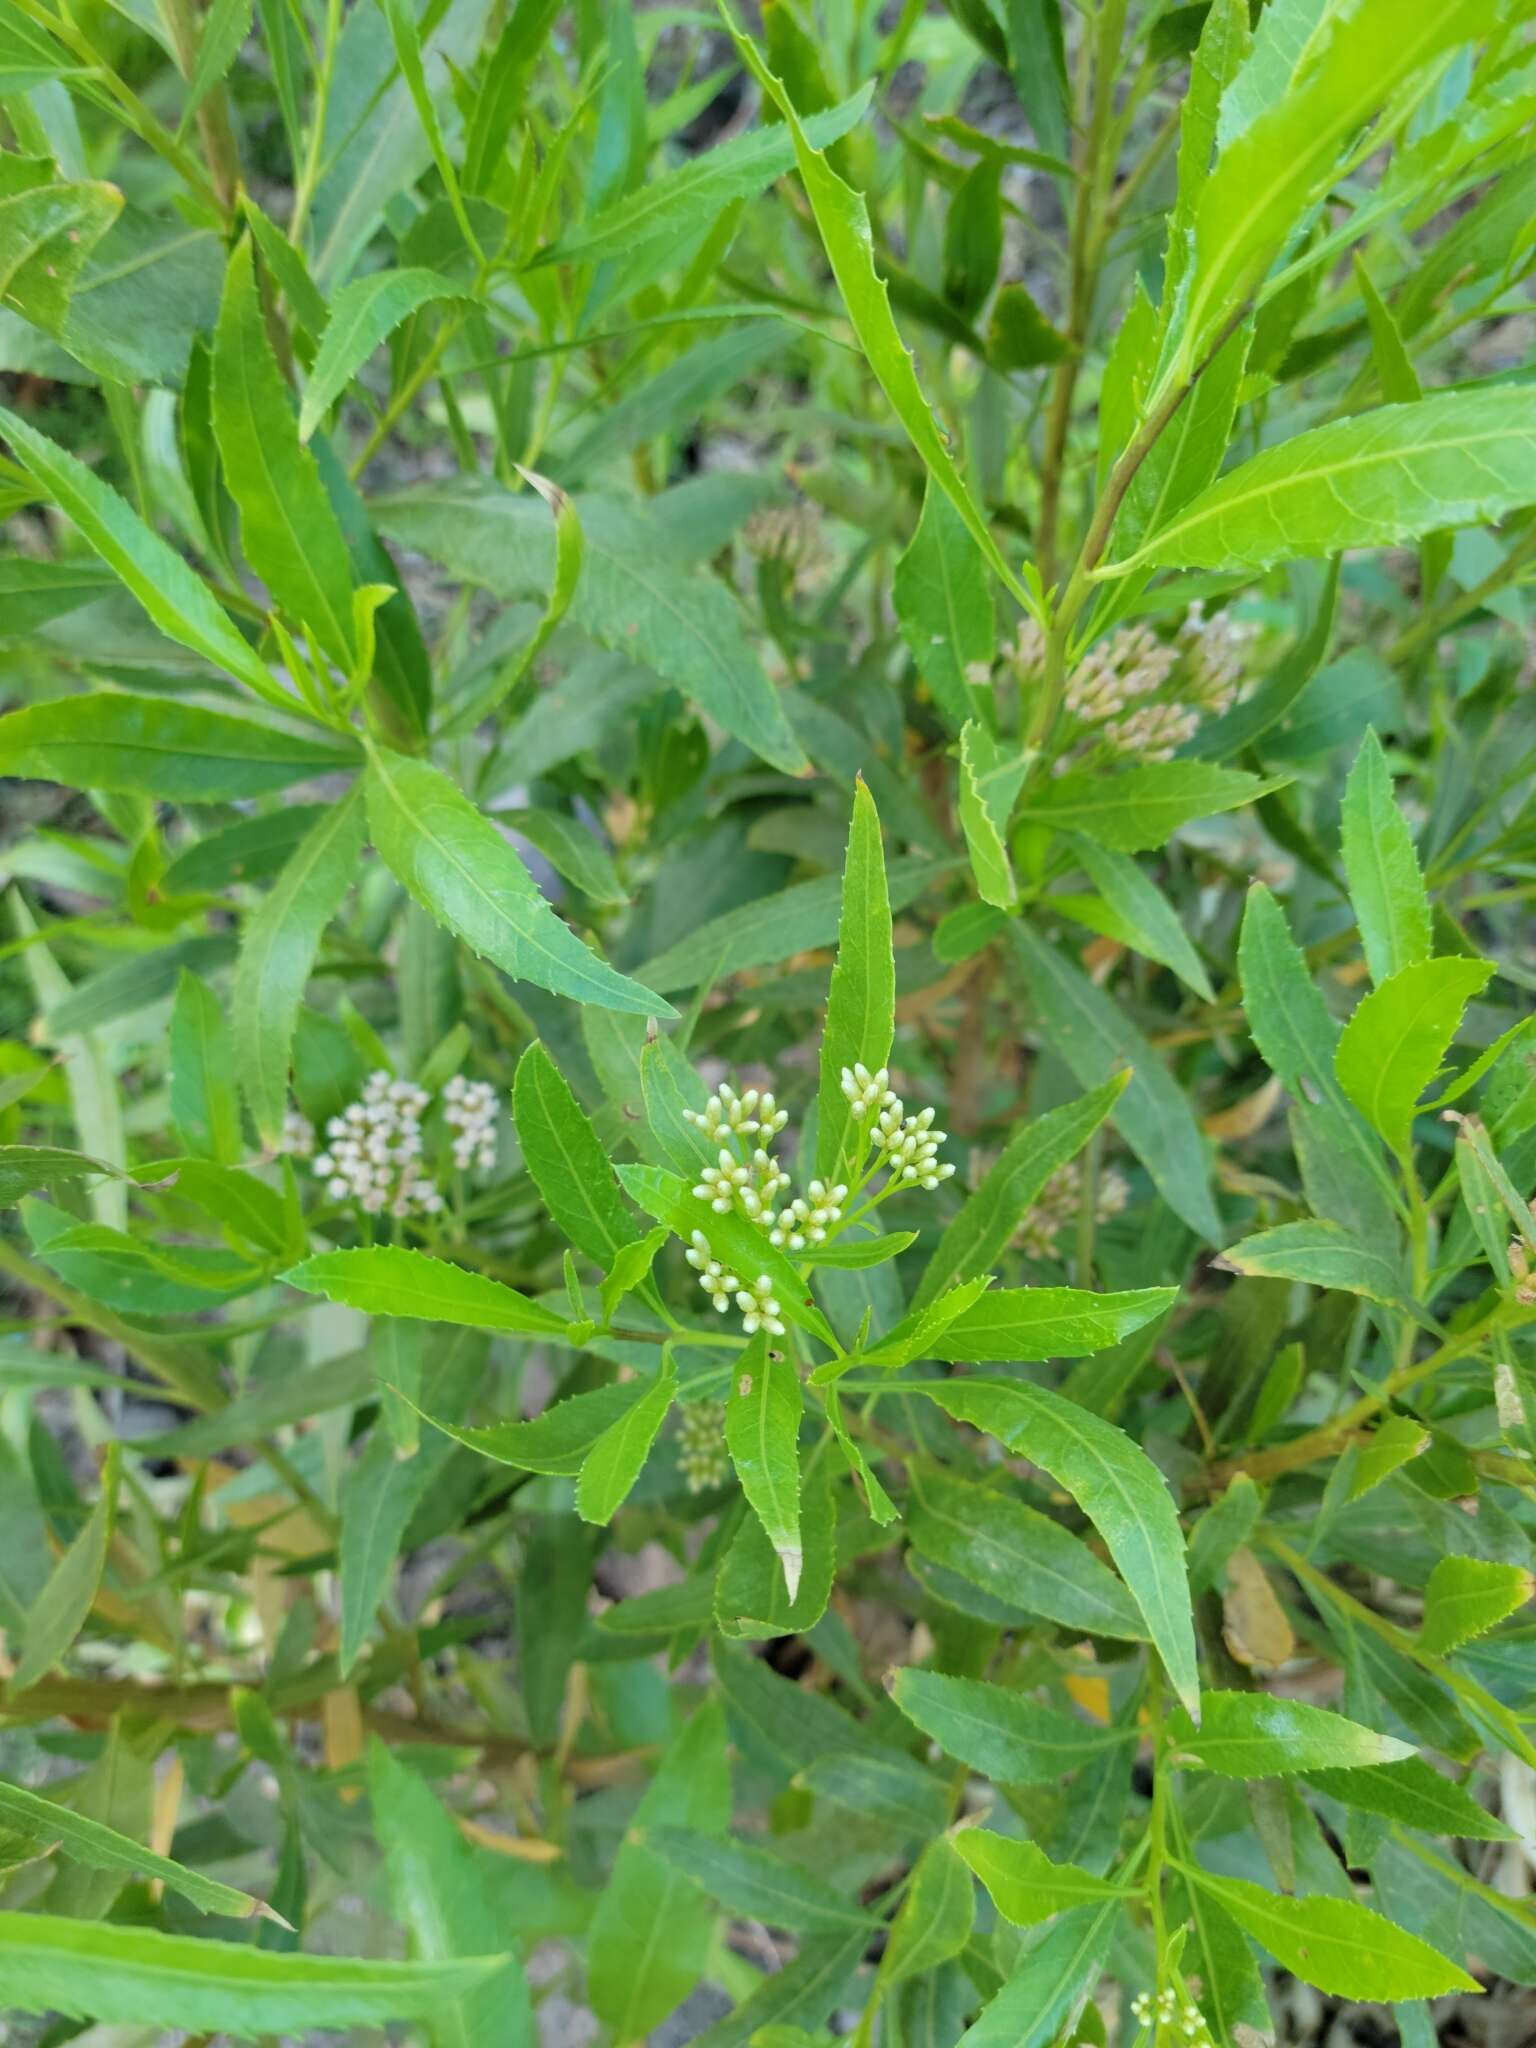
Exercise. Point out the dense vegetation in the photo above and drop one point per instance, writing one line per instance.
(767, 1105)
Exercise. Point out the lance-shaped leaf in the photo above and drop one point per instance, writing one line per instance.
(289, 531)
(861, 1003)
(1117, 1487)
(1386, 889)
(614, 1463)
(1323, 1255)
(59, 1612)
(134, 1976)
(558, 1441)
(989, 778)
(944, 606)
(1010, 1325)
(277, 954)
(1252, 1735)
(1142, 807)
(388, 1280)
(1337, 1944)
(1388, 476)
(459, 867)
(1003, 1734)
(566, 1158)
(757, 1884)
(81, 1839)
(362, 314)
(179, 603)
(1467, 1596)
(762, 1430)
(843, 221)
(1026, 1886)
(936, 1915)
(1394, 1043)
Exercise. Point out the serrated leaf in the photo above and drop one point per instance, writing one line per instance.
(133, 1976)
(1467, 1596)
(177, 753)
(1001, 1733)
(1257, 1735)
(1394, 1043)
(861, 1001)
(567, 1161)
(762, 1428)
(389, 1280)
(458, 866)
(362, 314)
(278, 948)
(82, 1839)
(756, 1884)
(936, 1915)
(1337, 1944)
(610, 1469)
(1323, 1255)
(1386, 889)
(1015, 1324)
(287, 527)
(1115, 1484)
(1416, 1794)
(1025, 1885)
(989, 781)
(944, 606)
(1142, 807)
(59, 1612)
(556, 1442)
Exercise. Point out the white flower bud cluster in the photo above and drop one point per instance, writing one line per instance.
(701, 1454)
(1168, 2018)
(298, 1139)
(469, 1109)
(1058, 1202)
(373, 1154)
(866, 1091)
(1153, 732)
(808, 1218)
(1130, 664)
(748, 1184)
(1214, 651)
(756, 1299)
(787, 533)
(747, 1115)
(910, 1146)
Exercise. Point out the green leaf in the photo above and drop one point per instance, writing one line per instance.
(755, 1884)
(558, 1441)
(762, 1428)
(33, 593)
(1094, 1036)
(177, 753)
(1142, 807)
(1000, 1733)
(84, 1840)
(388, 1280)
(289, 531)
(438, 1888)
(990, 778)
(1467, 1596)
(1389, 476)
(1416, 1794)
(59, 1612)
(680, 203)
(132, 1976)
(798, 918)
(205, 1104)
(460, 868)
(1019, 337)
(861, 1002)
(362, 314)
(631, 596)
(798, 1996)
(46, 233)
(843, 221)
(278, 948)
(610, 1469)
(1393, 1443)
(29, 1169)
(1115, 1484)
(567, 1161)
(1323, 1255)
(1336, 1944)
(1026, 1886)
(1286, 157)
(1256, 1735)
(944, 606)
(1150, 922)
(650, 1932)
(1010, 1325)
(1386, 889)
(988, 1220)
(751, 1599)
(225, 28)
(1018, 1555)
(179, 603)
(936, 1915)
(1394, 1043)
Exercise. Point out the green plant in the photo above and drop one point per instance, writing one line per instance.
(769, 1166)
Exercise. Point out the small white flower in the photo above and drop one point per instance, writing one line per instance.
(298, 1139)
(866, 1091)
(759, 1308)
